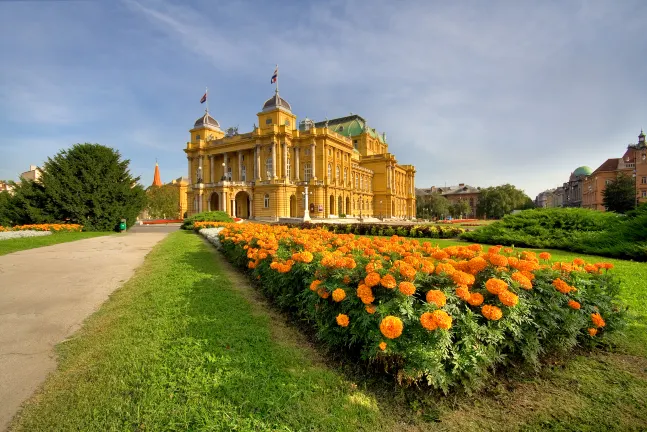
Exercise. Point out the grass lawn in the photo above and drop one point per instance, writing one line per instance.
(187, 345)
(18, 244)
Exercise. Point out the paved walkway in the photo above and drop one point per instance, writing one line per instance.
(47, 293)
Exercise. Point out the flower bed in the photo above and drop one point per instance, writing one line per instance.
(8, 235)
(46, 227)
(456, 221)
(403, 230)
(444, 316)
(162, 221)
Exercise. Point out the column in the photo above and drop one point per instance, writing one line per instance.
(189, 158)
(257, 163)
(224, 168)
(200, 168)
(211, 173)
(240, 166)
(200, 202)
(296, 163)
(224, 202)
(233, 208)
(274, 159)
(284, 149)
(312, 157)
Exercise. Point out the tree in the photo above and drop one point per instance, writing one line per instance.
(87, 184)
(459, 208)
(432, 205)
(163, 202)
(495, 202)
(619, 195)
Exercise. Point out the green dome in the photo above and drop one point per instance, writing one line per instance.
(583, 171)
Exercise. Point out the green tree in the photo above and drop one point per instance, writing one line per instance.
(619, 195)
(495, 202)
(460, 208)
(163, 202)
(26, 204)
(88, 184)
(432, 205)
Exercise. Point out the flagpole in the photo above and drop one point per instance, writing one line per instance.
(206, 92)
(277, 79)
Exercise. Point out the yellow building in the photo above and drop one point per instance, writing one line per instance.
(284, 170)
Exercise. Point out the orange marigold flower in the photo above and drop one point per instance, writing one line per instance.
(475, 299)
(315, 284)
(562, 286)
(591, 268)
(391, 327)
(370, 309)
(437, 297)
(597, 320)
(443, 320)
(545, 256)
(407, 288)
(342, 320)
(492, 313)
(578, 261)
(593, 331)
(388, 281)
(382, 346)
(508, 298)
(323, 293)
(498, 260)
(365, 294)
(496, 286)
(372, 279)
(477, 264)
(427, 320)
(524, 282)
(462, 278)
(444, 268)
(338, 295)
(574, 305)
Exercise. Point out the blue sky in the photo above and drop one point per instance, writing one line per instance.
(483, 93)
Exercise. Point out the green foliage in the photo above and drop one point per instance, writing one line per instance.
(209, 216)
(460, 208)
(495, 202)
(574, 229)
(28, 204)
(6, 216)
(620, 194)
(404, 230)
(163, 202)
(432, 206)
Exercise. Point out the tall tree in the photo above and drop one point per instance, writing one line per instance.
(619, 195)
(432, 205)
(495, 202)
(459, 208)
(163, 202)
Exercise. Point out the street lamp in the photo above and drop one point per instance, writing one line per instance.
(381, 211)
(306, 211)
(224, 175)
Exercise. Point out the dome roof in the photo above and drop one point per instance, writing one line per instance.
(206, 120)
(582, 171)
(276, 101)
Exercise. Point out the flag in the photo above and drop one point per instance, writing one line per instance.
(275, 76)
(204, 98)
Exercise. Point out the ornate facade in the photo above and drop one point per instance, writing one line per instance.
(282, 169)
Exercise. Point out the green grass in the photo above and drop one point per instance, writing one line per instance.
(18, 244)
(187, 345)
(180, 347)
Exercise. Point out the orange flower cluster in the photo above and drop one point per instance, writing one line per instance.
(343, 320)
(562, 286)
(597, 320)
(391, 327)
(436, 319)
(47, 227)
(492, 313)
(574, 305)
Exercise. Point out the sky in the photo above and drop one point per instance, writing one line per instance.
(482, 93)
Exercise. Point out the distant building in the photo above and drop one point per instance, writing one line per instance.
(460, 192)
(573, 187)
(5, 187)
(34, 173)
(181, 183)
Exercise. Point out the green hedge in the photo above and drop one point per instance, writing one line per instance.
(211, 216)
(573, 229)
(402, 230)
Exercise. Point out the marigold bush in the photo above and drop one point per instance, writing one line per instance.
(448, 317)
(46, 227)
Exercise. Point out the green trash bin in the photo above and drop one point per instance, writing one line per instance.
(122, 225)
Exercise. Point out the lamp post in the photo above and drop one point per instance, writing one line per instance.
(381, 211)
(224, 174)
(306, 210)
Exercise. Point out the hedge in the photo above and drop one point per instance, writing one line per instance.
(402, 230)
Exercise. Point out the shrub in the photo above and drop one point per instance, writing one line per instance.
(404, 230)
(211, 216)
(446, 317)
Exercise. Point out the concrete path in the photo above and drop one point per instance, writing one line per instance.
(47, 293)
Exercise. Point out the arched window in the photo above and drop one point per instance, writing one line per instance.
(243, 173)
(337, 176)
(266, 201)
(229, 173)
(307, 171)
(356, 180)
(361, 182)
(345, 176)
(268, 167)
(329, 171)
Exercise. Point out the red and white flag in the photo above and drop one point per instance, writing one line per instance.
(276, 75)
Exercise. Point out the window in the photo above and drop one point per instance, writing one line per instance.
(268, 121)
(287, 122)
(268, 167)
(361, 182)
(307, 171)
(229, 173)
(306, 152)
(266, 201)
(337, 176)
(643, 180)
(355, 144)
(345, 176)
(329, 152)
(197, 136)
(356, 180)
(288, 169)
(644, 194)
(243, 173)
(329, 171)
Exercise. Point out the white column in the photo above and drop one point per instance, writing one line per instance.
(285, 160)
(257, 162)
(312, 157)
(200, 202)
(211, 173)
(224, 202)
(306, 210)
(240, 166)
(189, 161)
(274, 161)
(296, 163)
(224, 169)
(200, 167)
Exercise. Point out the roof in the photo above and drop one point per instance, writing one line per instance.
(206, 120)
(608, 165)
(458, 190)
(351, 125)
(276, 101)
(582, 171)
(157, 181)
